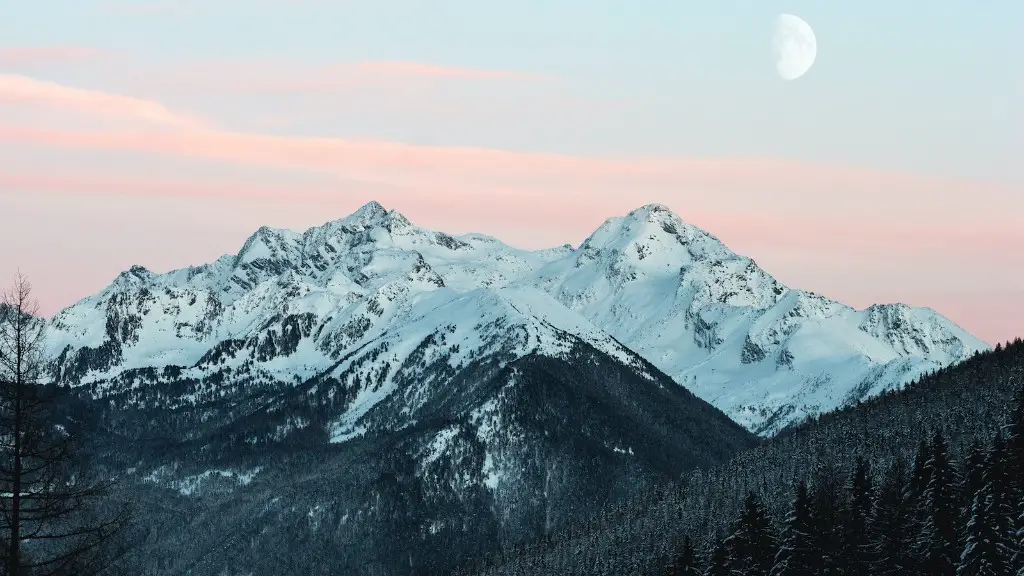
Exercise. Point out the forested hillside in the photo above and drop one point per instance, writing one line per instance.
(498, 456)
(927, 480)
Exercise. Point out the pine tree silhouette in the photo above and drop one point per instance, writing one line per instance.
(919, 478)
(981, 555)
(685, 562)
(796, 556)
(937, 543)
(1015, 486)
(855, 545)
(973, 482)
(826, 504)
(890, 526)
(1015, 444)
(751, 548)
(1018, 557)
(719, 563)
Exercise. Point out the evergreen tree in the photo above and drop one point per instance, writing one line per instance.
(982, 555)
(919, 477)
(796, 556)
(973, 481)
(751, 548)
(1018, 557)
(855, 545)
(825, 522)
(999, 502)
(685, 561)
(1015, 445)
(890, 525)
(937, 543)
(719, 563)
(1015, 472)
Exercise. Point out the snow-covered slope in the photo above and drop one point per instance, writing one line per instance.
(721, 326)
(292, 306)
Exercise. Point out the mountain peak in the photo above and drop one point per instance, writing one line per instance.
(658, 214)
(368, 212)
(658, 224)
(704, 315)
(266, 244)
(373, 215)
(134, 275)
(652, 209)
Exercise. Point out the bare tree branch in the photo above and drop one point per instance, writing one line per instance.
(47, 496)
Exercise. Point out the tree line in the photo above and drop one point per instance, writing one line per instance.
(936, 518)
(847, 460)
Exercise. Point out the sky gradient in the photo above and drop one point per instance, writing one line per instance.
(163, 133)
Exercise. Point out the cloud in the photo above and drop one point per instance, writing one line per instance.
(15, 88)
(751, 191)
(12, 57)
(420, 70)
(120, 220)
(803, 221)
(112, 185)
(275, 77)
(755, 183)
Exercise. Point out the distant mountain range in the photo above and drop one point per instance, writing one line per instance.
(373, 299)
(371, 397)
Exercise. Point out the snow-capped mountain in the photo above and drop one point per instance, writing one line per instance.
(765, 354)
(290, 307)
(373, 397)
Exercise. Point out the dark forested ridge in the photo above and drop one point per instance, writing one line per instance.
(506, 452)
(928, 480)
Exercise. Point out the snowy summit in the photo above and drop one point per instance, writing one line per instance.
(643, 288)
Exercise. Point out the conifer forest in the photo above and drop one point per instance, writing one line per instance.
(927, 481)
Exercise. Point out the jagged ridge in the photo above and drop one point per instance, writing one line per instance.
(289, 305)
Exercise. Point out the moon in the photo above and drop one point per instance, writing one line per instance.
(794, 46)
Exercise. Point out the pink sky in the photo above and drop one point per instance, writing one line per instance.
(95, 180)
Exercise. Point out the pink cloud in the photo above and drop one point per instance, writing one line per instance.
(842, 259)
(26, 56)
(756, 184)
(854, 259)
(565, 217)
(779, 211)
(15, 88)
(272, 76)
(91, 185)
(760, 185)
(420, 70)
